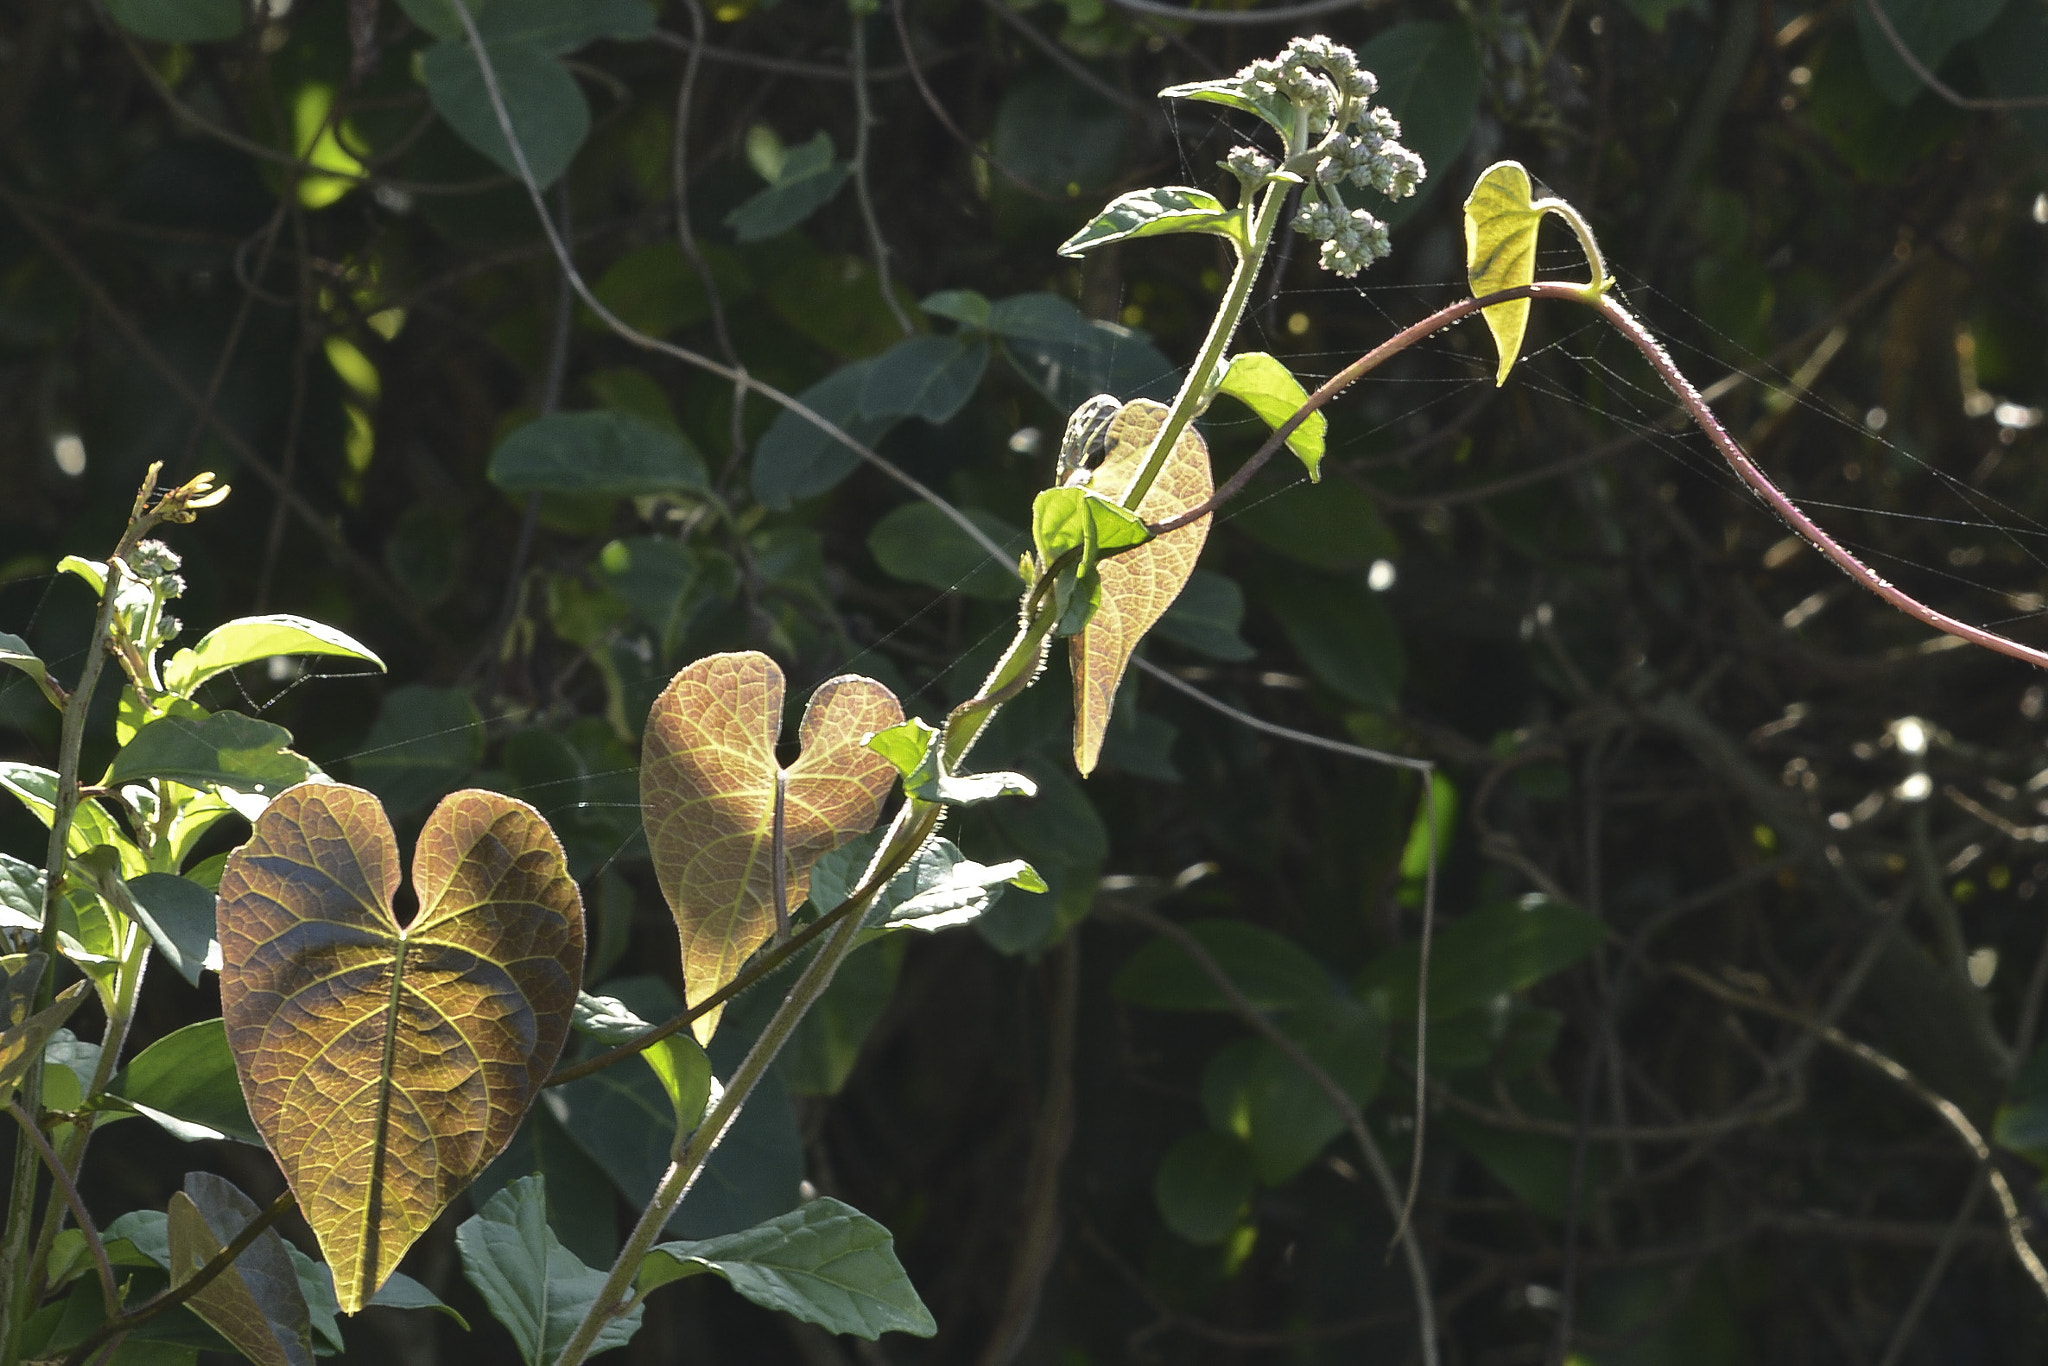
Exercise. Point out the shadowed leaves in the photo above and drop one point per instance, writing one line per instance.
(711, 791)
(25, 1030)
(385, 1066)
(255, 1303)
(1141, 583)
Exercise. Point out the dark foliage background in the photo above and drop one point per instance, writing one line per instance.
(1648, 701)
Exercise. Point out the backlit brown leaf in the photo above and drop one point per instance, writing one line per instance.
(708, 787)
(386, 1065)
(1138, 585)
(256, 1303)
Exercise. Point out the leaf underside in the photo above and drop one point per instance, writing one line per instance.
(1140, 584)
(708, 780)
(1501, 220)
(256, 1303)
(385, 1066)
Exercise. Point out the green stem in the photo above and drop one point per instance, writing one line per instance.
(1228, 315)
(913, 825)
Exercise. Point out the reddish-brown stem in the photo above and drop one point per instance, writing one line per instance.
(1611, 308)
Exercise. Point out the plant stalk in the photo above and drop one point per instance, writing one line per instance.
(1221, 330)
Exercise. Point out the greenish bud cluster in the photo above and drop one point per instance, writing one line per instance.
(1352, 239)
(155, 562)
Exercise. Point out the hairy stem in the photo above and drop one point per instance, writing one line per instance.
(1228, 314)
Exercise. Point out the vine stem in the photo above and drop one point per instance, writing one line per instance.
(915, 821)
(1249, 258)
(108, 1291)
(17, 1281)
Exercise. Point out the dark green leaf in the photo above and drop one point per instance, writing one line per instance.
(598, 452)
(964, 306)
(938, 889)
(1253, 1090)
(656, 290)
(21, 894)
(1206, 617)
(534, 1286)
(1536, 1167)
(1069, 358)
(825, 1263)
(821, 1053)
(1474, 959)
(1057, 134)
(1430, 76)
(810, 176)
(2022, 1121)
(186, 1082)
(256, 1303)
(1155, 213)
(918, 543)
(1334, 526)
(927, 377)
(1271, 970)
(1202, 1186)
(547, 109)
(1345, 635)
(224, 750)
(178, 913)
(797, 459)
(180, 21)
(556, 27)
(1930, 30)
(14, 653)
(424, 742)
(2013, 54)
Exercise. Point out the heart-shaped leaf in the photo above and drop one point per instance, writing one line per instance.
(1139, 584)
(384, 1064)
(256, 1302)
(1501, 219)
(714, 797)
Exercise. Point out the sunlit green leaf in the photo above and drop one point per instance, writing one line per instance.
(676, 1061)
(1155, 213)
(186, 1082)
(1229, 93)
(15, 654)
(1269, 388)
(248, 639)
(1501, 219)
(224, 750)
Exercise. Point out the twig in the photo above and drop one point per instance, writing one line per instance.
(1928, 78)
(1274, 728)
(782, 66)
(186, 1289)
(686, 234)
(1339, 1098)
(931, 100)
(1064, 59)
(863, 120)
(1950, 1113)
(109, 1291)
(1930, 1280)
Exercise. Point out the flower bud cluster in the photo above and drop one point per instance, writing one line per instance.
(1349, 143)
(1351, 240)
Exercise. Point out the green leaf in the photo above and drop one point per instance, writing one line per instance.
(658, 291)
(1499, 949)
(91, 826)
(1501, 219)
(938, 889)
(180, 21)
(24, 1031)
(424, 1042)
(547, 110)
(556, 27)
(661, 579)
(1203, 1184)
(1206, 617)
(2022, 1121)
(1930, 29)
(927, 377)
(225, 750)
(2013, 55)
(1057, 135)
(964, 306)
(920, 544)
(822, 1051)
(1345, 635)
(178, 913)
(676, 1061)
(256, 1303)
(1335, 527)
(1271, 970)
(186, 1082)
(1155, 213)
(1070, 518)
(21, 894)
(825, 1263)
(14, 653)
(424, 742)
(1270, 389)
(534, 1286)
(797, 459)
(811, 174)
(248, 639)
(1253, 1090)
(601, 452)
(1069, 357)
(914, 748)
(1536, 1167)
(1430, 77)
(1229, 93)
